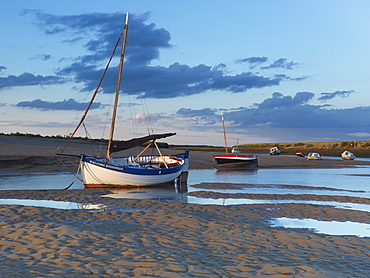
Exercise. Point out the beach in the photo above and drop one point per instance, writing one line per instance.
(150, 238)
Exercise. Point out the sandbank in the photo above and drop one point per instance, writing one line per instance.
(149, 238)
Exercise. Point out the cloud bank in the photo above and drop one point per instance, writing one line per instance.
(69, 104)
(287, 112)
(101, 31)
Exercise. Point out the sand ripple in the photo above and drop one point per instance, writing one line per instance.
(169, 239)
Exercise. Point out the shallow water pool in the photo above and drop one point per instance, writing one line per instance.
(353, 182)
(325, 227)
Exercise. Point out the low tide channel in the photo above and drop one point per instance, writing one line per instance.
(224, 188)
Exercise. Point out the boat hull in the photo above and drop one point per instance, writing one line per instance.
(274, 151)
(236, 161)
(348, 155)
(97, 174)
(314, 156)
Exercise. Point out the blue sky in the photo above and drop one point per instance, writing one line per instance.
(280, 71)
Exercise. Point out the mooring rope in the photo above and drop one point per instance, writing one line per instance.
(76, 177)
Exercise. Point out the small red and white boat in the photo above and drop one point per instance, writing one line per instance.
(235, 160)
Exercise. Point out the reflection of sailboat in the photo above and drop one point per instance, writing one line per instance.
(235, 160)
(139, 170)
(152, 193)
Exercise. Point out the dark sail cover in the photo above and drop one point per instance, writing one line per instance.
(124, 145)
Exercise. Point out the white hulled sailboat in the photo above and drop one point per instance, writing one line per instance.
(126, 171)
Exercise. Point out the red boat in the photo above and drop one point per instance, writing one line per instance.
(236, 161)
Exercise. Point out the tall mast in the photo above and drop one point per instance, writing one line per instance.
(118, 86)
(224, 129)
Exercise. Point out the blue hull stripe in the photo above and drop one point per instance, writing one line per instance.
(133, 170)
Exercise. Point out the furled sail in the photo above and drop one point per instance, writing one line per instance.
(117, 146)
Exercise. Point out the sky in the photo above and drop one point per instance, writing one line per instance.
(279, 71)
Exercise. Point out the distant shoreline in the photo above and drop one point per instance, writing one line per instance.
(361, 148)
(37, 155)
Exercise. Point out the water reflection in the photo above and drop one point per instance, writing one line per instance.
(353, 182)
(51, 204)
(346, 178)
(150, 193)
(350, 181)
(230, 201)
(38, 181)
(227, 172)
(325, 227)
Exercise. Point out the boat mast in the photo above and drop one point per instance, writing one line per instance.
(223, 127)
(118, 86)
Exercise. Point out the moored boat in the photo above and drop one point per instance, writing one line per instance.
(348, 155)
(314, 156)
(235, 160)
(127, 171)
(236, 148)
(274, 151)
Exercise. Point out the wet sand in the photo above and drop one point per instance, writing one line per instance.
(149, 238)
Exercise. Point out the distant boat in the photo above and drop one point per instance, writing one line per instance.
(314, 156)
(127, 171)
(348, 155)
(236, 148)
(274, 151)
(234, 160)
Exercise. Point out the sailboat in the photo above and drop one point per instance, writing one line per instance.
(127, 171)
(234, 160)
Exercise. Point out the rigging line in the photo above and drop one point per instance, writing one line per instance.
(81, 108)
(86, 131)
(144, 106)
(66, 167)
(135, 76)
(131, 102)
(148, 117)
(76, 177)
(95, 93)
(146, 114)
(134, 120)
(106, 117)
(87, 134)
